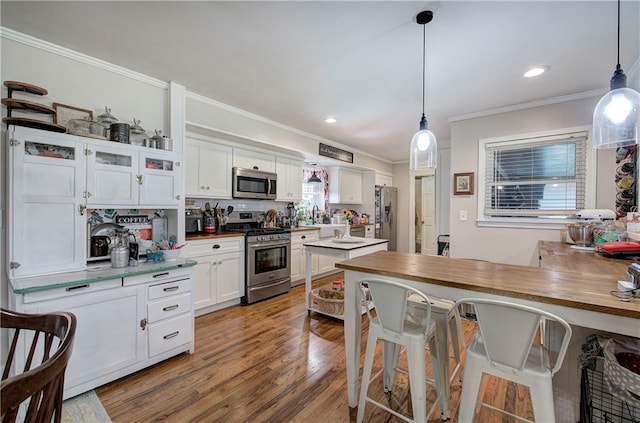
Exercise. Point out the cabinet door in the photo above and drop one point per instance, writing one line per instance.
(159, 183)
(229, 276)
(112, 174)
(191, 172)
(108, 336)
(350, 187)
(214, 170)
(46, 187)
(249, 159)
(204, 287)
(298, 262)
(289, 179)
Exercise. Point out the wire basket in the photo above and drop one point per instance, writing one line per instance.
(597, 404)
(328, 300)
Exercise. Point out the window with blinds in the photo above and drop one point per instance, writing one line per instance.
(535, 177)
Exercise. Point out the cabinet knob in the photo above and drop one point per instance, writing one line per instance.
(202, 187)
(208, 187)
(303, 237)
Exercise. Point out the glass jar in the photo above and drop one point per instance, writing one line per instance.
(138, 136)
(107, 119)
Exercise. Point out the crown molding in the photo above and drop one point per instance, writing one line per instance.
(262, 119)
(530, 104)
(30, 41)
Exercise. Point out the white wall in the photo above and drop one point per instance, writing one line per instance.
(512, 245)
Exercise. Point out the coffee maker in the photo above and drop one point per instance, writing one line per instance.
(289, 218)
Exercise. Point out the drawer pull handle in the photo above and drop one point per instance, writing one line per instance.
(169, 308)
(172, 335)
(73, 288)
(216, 246)
(161, 275)
(171, 288)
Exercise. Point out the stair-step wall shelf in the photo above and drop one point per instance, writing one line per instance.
(28, 106)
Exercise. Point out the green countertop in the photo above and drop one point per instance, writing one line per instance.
(92, 274)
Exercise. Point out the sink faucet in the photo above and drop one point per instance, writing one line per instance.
(314, 211)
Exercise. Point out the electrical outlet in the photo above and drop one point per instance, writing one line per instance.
(463, 215)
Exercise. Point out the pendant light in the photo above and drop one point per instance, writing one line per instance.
(314, 178)
(615, 118)
(424, 147)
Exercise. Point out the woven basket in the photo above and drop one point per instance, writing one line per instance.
(328, 300)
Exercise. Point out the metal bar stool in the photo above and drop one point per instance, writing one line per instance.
(504, 347)
(396, 327)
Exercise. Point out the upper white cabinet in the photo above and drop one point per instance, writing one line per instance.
(47, 226)
(345, 186)
(119, 175)
(289, 179)
(383, 180)
(208, 172)
(250, 159)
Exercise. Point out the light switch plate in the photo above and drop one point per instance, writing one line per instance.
(463, 215)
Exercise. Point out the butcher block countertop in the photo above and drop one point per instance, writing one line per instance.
(588, 291)
(560, 256)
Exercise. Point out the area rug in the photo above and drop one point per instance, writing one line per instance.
(84, 408)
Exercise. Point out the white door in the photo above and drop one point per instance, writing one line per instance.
(215, 164)
(204, 289)
(230, 277)
(428, 200)
(159, 183)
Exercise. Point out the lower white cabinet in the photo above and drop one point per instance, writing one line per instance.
(121, 327)
(369, 231)
(299, 257)
(219, 274)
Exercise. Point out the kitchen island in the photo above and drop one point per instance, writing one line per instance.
(346, 248)
(582, 299)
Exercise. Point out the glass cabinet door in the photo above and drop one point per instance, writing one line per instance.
(160, 179)
(112, 175)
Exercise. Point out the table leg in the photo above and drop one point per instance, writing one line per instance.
(307, 281)
(352, 334)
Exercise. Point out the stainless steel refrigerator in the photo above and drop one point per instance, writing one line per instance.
(386, 214)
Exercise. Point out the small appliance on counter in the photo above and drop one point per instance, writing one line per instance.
(581, 232)
(193, 220)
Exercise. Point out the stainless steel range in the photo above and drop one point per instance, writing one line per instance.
(267, 256)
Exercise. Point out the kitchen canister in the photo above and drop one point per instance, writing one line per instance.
(119, 132)
(120, 256)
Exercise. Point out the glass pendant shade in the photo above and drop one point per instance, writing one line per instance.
(424, 149)
(615, 119)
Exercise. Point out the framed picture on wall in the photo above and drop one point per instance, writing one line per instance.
(463, 183)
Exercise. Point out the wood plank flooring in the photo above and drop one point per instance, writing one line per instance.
(272, 362)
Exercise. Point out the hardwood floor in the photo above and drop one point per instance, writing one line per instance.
(271, 362)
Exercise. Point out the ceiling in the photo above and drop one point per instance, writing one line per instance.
(361, 62)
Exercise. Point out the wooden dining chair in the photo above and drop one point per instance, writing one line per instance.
(47, 340)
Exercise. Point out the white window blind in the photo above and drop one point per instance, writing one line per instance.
(536, 177)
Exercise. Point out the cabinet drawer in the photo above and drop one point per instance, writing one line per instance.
(169, 288)
(225, 245)
(160, 276)
(168, 307)
(304, 236)
(86, 288)
(171, 333)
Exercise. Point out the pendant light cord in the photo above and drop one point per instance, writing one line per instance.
(424, 37)
(618, 34)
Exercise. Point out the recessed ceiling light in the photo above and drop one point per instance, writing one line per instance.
(535, 71)
(330, 120)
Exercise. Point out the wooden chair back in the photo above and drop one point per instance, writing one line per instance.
(41, 380)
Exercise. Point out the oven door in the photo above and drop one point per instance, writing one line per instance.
(268, 262)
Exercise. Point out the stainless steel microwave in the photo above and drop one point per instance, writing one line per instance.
(255, 184)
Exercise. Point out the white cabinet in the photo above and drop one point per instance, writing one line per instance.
(124, 324)
(250, 159)
(122, 175)
(382, 179)
(298, 255)
(345, 186)
(208, 171)
(47, 226)
(219, 274)
(369, 231)
(289, 179)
